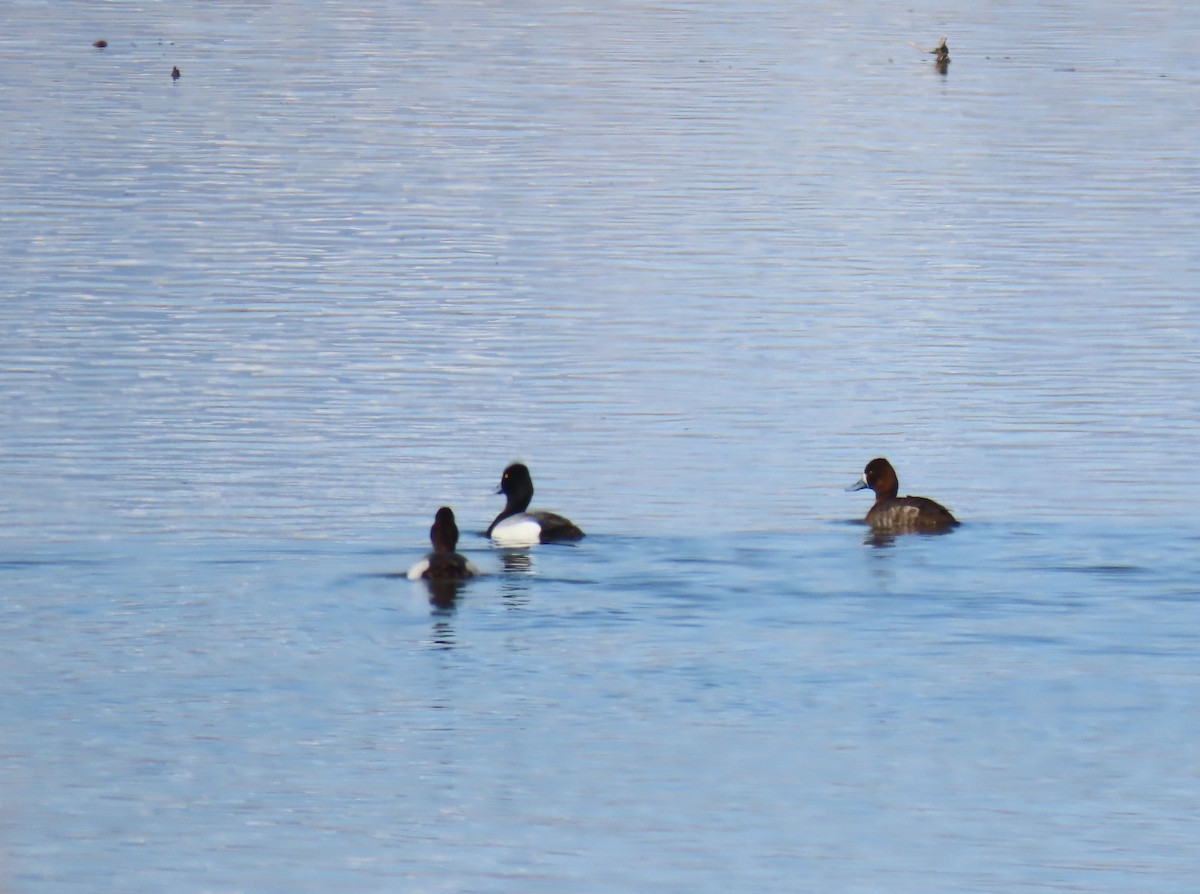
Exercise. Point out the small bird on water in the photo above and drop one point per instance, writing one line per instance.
(940, 53)
(941, 56)
(893, 514)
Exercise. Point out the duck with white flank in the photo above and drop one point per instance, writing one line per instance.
(443, 564)
(517, 525)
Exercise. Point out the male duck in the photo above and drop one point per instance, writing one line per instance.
(516, 525)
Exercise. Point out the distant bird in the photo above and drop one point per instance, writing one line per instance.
(174, 73)
(894, 514)
(443, 564)
(940, 53)
(516, 526)
(100, 44)
(941, 56)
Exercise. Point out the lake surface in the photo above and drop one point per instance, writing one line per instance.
(695, 264)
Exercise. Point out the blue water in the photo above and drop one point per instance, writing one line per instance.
(695, 264)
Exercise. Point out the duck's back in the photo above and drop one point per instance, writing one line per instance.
(443, 566)
(556, 527)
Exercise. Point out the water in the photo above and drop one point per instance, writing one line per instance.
(695, 264)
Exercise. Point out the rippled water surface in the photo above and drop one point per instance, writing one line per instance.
(695, 263)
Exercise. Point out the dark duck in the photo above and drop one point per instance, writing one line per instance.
(443, 564)
(896, 514)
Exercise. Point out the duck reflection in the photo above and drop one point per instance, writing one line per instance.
(516, 561)
(442, 637)
(517, 569)
(879, 539)
(887, 539)
(443, 594)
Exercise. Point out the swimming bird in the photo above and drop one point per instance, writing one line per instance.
(940, 53)
(893, 514)
(941, 56)
(443, 564)
(516, 525)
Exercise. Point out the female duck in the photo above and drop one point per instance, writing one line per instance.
(443, 564)
(899, 514)
(516, 526)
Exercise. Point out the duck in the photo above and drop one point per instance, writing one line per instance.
(893, 514)
(443, 564)
(516, 525)
(941, 56)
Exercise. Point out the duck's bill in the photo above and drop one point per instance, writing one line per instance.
(860, 484)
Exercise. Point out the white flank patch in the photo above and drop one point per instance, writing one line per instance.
(418, 570)
(517, 530)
